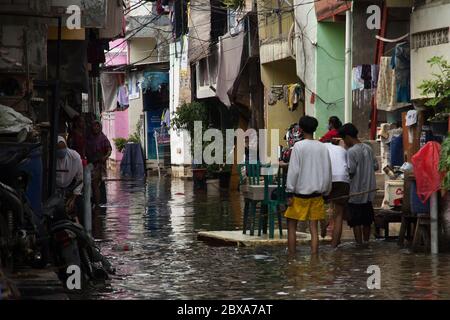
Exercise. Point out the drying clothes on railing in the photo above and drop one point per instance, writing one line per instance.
(386, 89)
(365, 76)
(290, 94)
(401, 63)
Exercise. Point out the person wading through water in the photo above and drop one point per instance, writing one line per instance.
(362, 165)
(308, 180)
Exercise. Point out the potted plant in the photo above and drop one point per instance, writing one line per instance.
(184, 119)
(438, 89)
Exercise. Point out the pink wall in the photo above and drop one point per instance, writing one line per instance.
(117, 56)
(115, 125)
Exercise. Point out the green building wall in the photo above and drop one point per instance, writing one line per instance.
(330, 73)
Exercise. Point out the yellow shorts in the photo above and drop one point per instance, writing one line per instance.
(306, 209)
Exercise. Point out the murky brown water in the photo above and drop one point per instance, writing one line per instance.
(160, 220)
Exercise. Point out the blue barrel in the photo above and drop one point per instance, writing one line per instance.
(33, 167)
(416, 205)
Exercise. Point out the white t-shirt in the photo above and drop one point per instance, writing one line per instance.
(339, 167)
(309, 169)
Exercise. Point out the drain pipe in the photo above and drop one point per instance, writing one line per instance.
(348, 66)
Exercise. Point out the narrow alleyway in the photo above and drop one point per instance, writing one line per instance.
(164, 260)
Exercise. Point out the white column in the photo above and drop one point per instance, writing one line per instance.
(348, 66)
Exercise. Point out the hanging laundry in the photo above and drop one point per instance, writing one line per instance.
(375, 71)
(366, 76)
(357, 84)
(292, 99)
(122, 98)
(401, 63)
(277, 93)
(386, 88)
(110, 84)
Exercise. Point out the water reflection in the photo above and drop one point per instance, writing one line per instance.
(160, 221)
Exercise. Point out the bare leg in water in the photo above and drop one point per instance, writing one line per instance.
(357, 231)
(366, 233)
(292, 236)
(337, 225)
(314, 230)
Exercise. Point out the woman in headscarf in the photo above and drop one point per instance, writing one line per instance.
(69, 173)
(98, 150)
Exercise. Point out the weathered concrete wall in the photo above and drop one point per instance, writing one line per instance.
(330, 73)
(430, 17)
(180, 93)
(306, 35)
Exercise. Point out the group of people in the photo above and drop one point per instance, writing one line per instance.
(339, 169)
(81, 148)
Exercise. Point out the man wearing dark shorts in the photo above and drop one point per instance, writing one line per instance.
(340, 188)
(361, 168)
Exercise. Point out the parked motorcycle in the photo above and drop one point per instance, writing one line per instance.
(18, 233)
(70, 245)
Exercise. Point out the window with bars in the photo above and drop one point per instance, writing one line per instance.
(430, 38)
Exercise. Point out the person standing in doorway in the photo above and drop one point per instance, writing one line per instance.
(361, 168)
(308, 180)
(98, 150)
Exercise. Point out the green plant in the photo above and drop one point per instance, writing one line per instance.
(438, 88)
(444, 163)
(120, 143)
(134, 138)
(187, 114)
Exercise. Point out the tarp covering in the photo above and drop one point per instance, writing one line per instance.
(13, 122)
(133, 163)
(229, 66)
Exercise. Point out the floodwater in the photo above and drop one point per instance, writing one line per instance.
(159, 221)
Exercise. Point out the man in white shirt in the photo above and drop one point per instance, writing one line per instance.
(340, 189)
(309, 179)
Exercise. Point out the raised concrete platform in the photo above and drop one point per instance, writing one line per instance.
(237, 238)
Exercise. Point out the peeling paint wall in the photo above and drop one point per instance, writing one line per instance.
(306, 35)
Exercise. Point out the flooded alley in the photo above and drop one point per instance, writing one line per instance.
(150, 230)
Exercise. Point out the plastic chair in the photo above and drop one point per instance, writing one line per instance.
(273, 204)
(251, 178)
